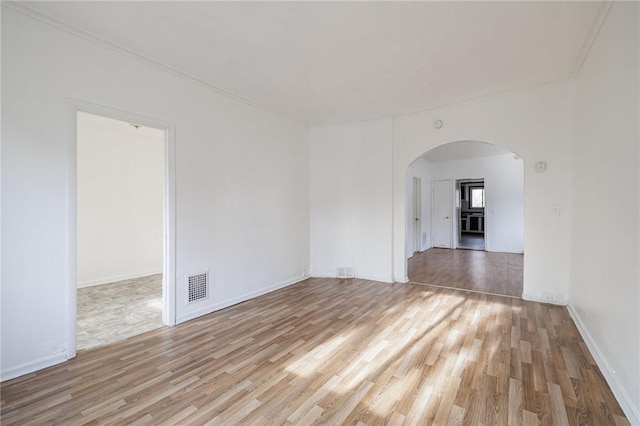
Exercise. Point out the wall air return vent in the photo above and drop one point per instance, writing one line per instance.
(345, 272)
(198, 288)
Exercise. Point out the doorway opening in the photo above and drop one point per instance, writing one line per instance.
(475, 199)
(124, 228)
(470, 213)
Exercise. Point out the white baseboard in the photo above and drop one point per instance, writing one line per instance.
(505, 250)
(626, 403)
(379, 278)
(323, 275)
(531, 298)
(107, 280)
(30, 367)
(212, 308)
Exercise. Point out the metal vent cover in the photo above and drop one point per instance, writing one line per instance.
(345, 272)
(198, 288)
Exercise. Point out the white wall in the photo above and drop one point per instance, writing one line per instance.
(242, 183)
(420, 168)
(504, 196)
(349, 170)
(120, 200)
(534, 123)
(350, 186)
(604, 292)
(242, 176)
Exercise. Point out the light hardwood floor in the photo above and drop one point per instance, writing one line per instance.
(329, 351)
(487, 272)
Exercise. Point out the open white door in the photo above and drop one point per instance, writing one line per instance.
(441, 214)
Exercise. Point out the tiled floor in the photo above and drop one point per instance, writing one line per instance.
(111, 312)
(487, 272)
(471, 241)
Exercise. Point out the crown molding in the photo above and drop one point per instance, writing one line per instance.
(598, 21)
(24, 9)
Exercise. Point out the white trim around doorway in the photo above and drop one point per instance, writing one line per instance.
(169, 207)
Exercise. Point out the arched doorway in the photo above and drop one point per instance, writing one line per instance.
(465, 218)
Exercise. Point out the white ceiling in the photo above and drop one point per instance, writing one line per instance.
(322, 62)
(464, 150)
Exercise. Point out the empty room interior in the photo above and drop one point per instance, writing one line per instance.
(120, 192)
(296, 213)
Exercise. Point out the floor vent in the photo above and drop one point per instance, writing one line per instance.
(345, 272)
(198, 287)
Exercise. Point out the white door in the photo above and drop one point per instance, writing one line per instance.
(441, 214)
(417, 216)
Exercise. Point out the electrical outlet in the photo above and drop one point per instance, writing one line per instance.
(549, 296)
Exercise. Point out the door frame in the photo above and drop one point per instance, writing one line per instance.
(169, 212)
(451, 210)
(459, 213)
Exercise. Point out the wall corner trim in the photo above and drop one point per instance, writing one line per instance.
(626, 403)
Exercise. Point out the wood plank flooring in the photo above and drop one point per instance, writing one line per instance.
(487, 272)
(329, 351)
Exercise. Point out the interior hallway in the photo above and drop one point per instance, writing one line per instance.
(471, 241)
(111, 312)
(487, 272)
